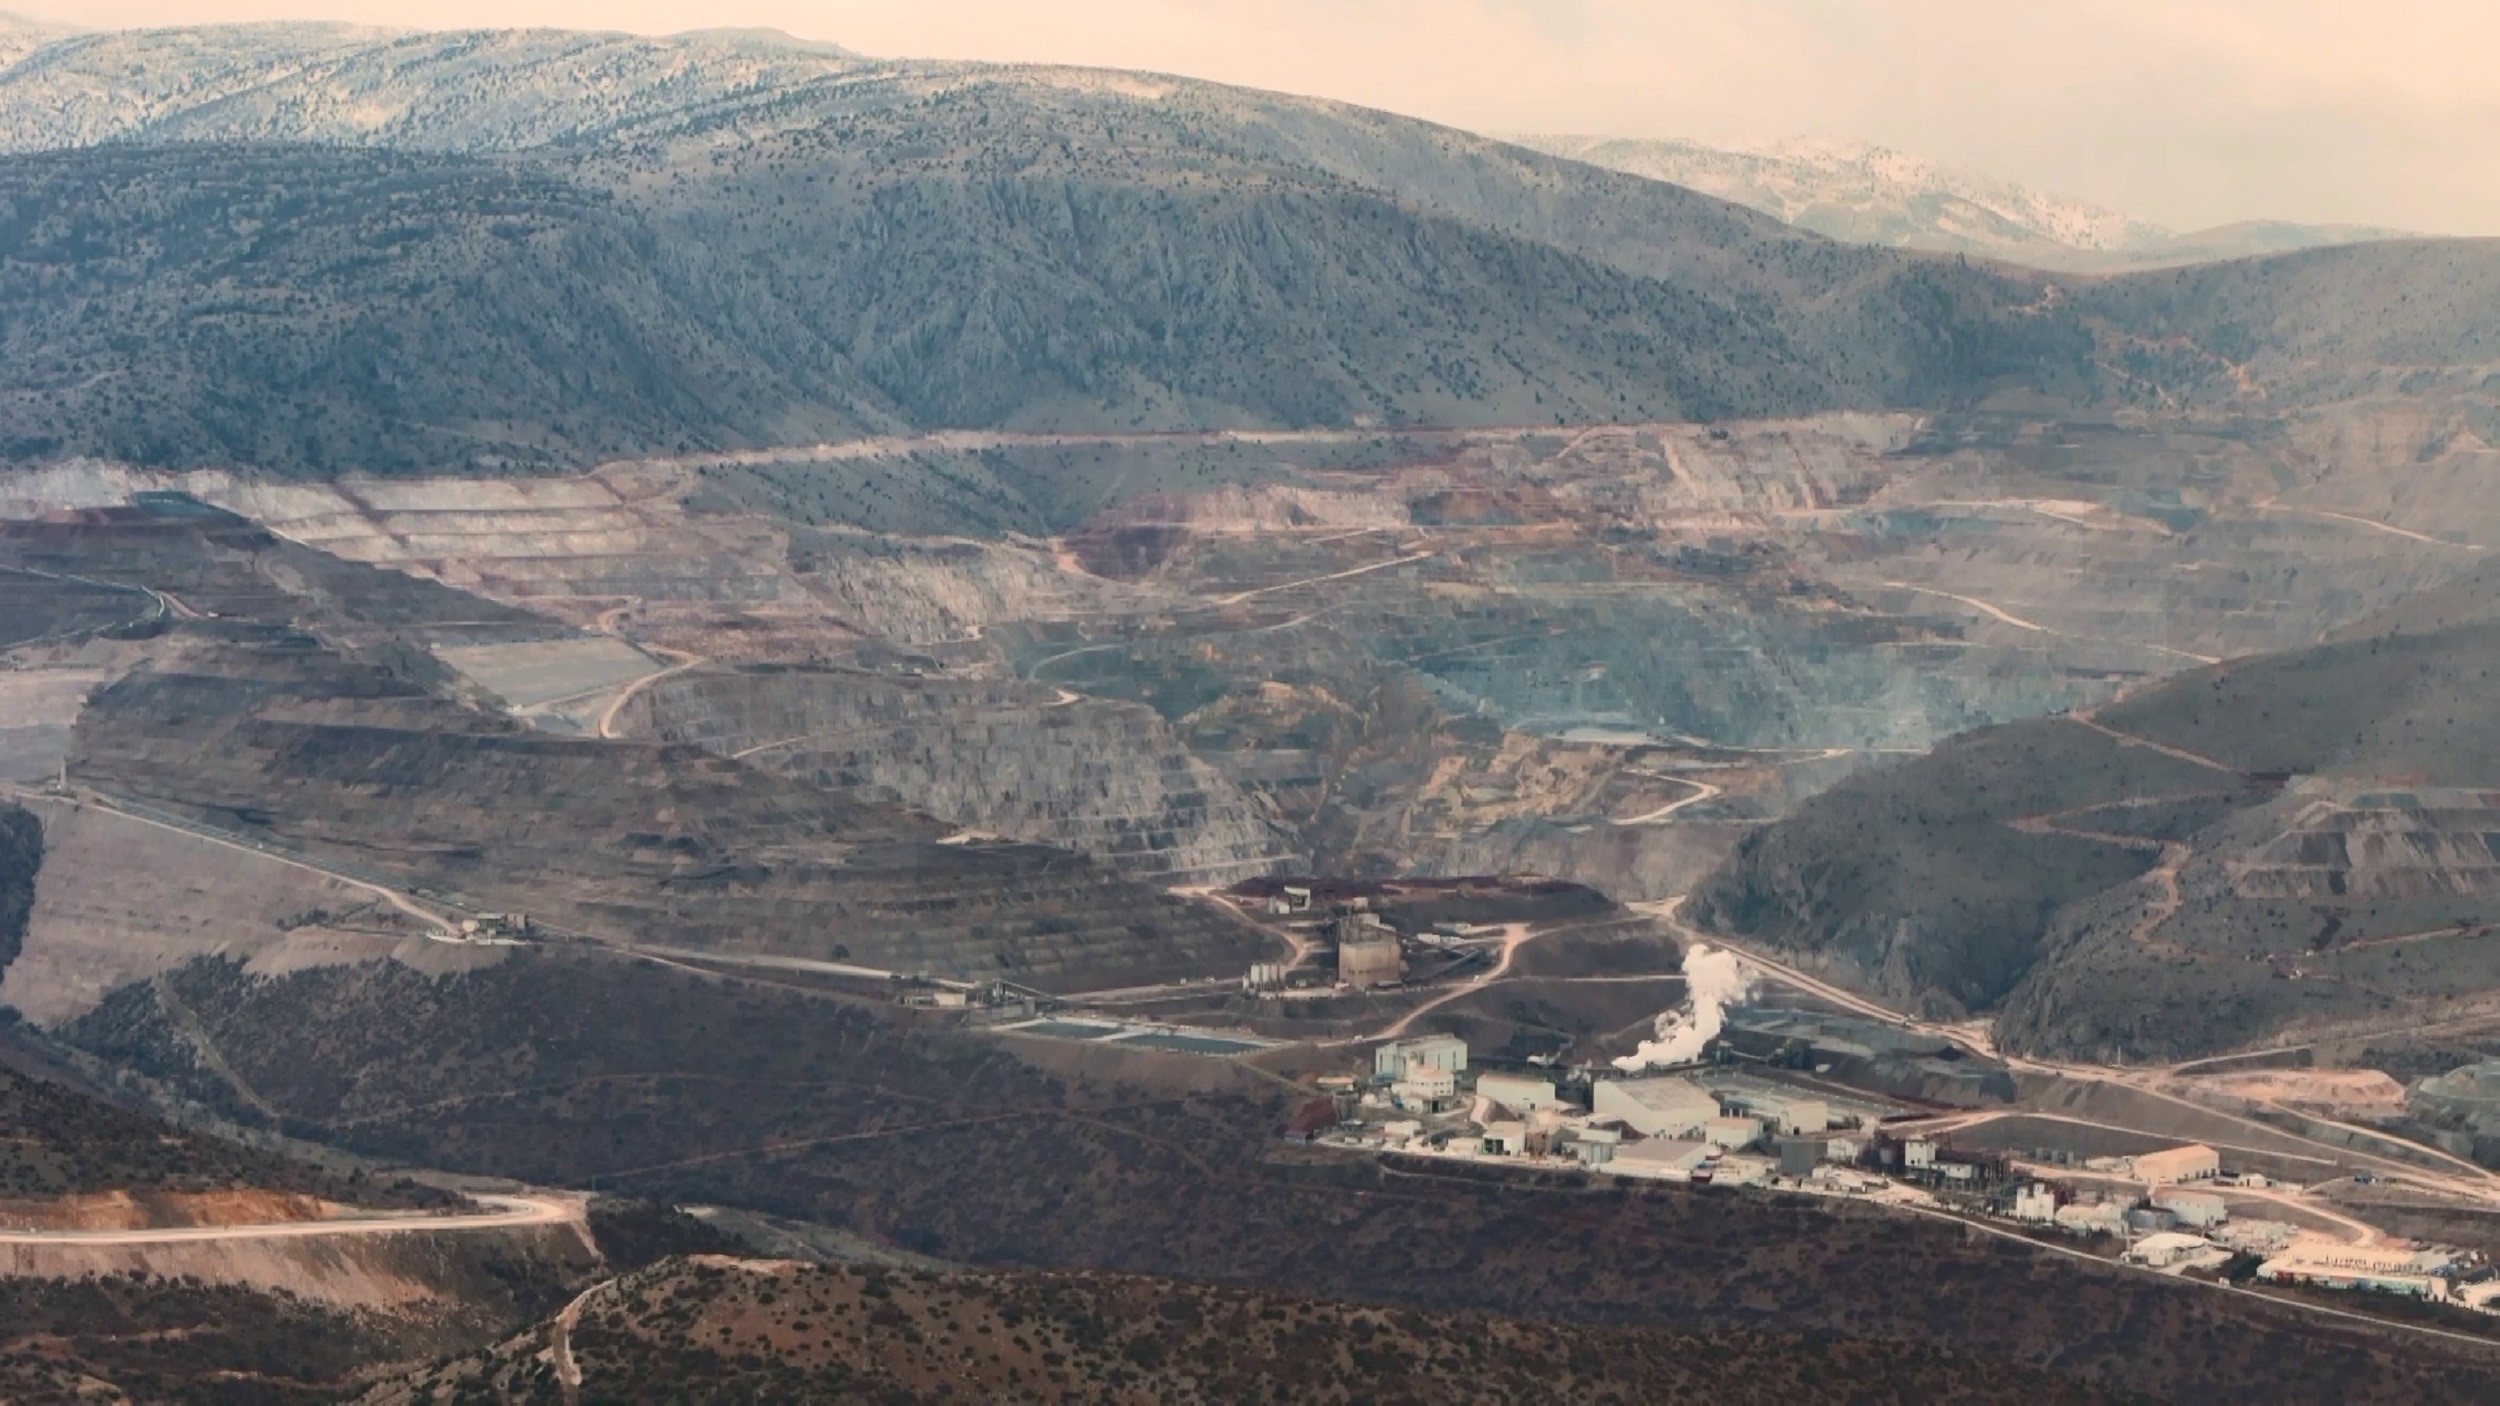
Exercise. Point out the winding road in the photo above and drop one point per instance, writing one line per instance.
(508, 1213)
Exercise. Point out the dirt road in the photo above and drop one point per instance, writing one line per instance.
(510, 1212)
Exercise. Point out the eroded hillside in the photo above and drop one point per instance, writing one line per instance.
(2283, 844)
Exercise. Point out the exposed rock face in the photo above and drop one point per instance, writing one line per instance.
(2238, 855)
(667, 846)
(1000, 757)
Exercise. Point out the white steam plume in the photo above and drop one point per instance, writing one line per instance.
(1713, 980)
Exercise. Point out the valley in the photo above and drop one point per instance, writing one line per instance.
(709, 710)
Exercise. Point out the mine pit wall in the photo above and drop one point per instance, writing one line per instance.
(1023, 761)
(402, 1271)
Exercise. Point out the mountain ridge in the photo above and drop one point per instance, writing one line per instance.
(1868, 194)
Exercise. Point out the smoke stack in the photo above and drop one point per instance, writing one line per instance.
(1713, 980)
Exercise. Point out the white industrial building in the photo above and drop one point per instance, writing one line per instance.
(1505, 1139)
(2098, 1218)
(1425, 1089)
(2035, 1203)
(2166, 1249)
(2198, 1210)
(1674, 1159)
(1732, 1133)
(1518, 1092)
(1785, 1113)
(1594, 1146)
(1400, 1058)
(1665, 1107)
(1919, 1155)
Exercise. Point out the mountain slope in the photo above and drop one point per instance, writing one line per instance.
(765, 1330)
(474, 90)
(1870, 195)
(2142, 880)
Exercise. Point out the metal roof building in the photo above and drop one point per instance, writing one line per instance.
(1663, 1107)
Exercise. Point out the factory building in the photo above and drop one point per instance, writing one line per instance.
(1785, 1113)
(1593, 1146)
(1665, 1107)
(1518, 1092)
(2036, 1204)
(2194, 1162)
(1399, 1059)
(1425, 1089)
(2386, 1269)
(2097, 1218)
(1732, 1133)
(2165, 1249)
(1672, 1159)
(1505, 1139)
(1799, 1156)
(2197, 1210)
(1368, 954)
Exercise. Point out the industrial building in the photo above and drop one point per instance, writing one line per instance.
(2197, 1210)
(2386, 1269)
(2093, 1218)
(1663, 1107)
(1505, 1139)
(1732, 1133)
(2165, 1249)
(1368, 954)
(1593, 1146)
(1425, 1089)
(2194, 1162)
(2036, 1204)
(1399, 1059)
(1784, 1113)
(1518, 1092)
(1674, 1159)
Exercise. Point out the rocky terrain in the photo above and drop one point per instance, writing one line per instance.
(2285, 842)
(1870, 195)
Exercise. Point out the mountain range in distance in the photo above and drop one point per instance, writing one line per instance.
(1865, 194)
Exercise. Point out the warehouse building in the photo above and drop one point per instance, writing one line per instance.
(1670, 1159)
(1733, 1133)
(1518, 1092)
(2197, 1210)
(1665, 1107)
(2194, 1162)
(1785, 1113)
(1401, 1058)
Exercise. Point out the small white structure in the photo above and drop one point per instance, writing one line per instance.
(1399, 1059)
(1842, 1149)
(1518, 1092)
(2194, 1162)
(2097, 1218)
(2165, 1249)
(1505, 1139)
(1297, 900)
(1919, 1155)
(2199, 1210)
(2035, 1203)
(1662, 1107)
(1732, 1133)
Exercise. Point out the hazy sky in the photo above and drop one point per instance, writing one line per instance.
(2189, 112)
